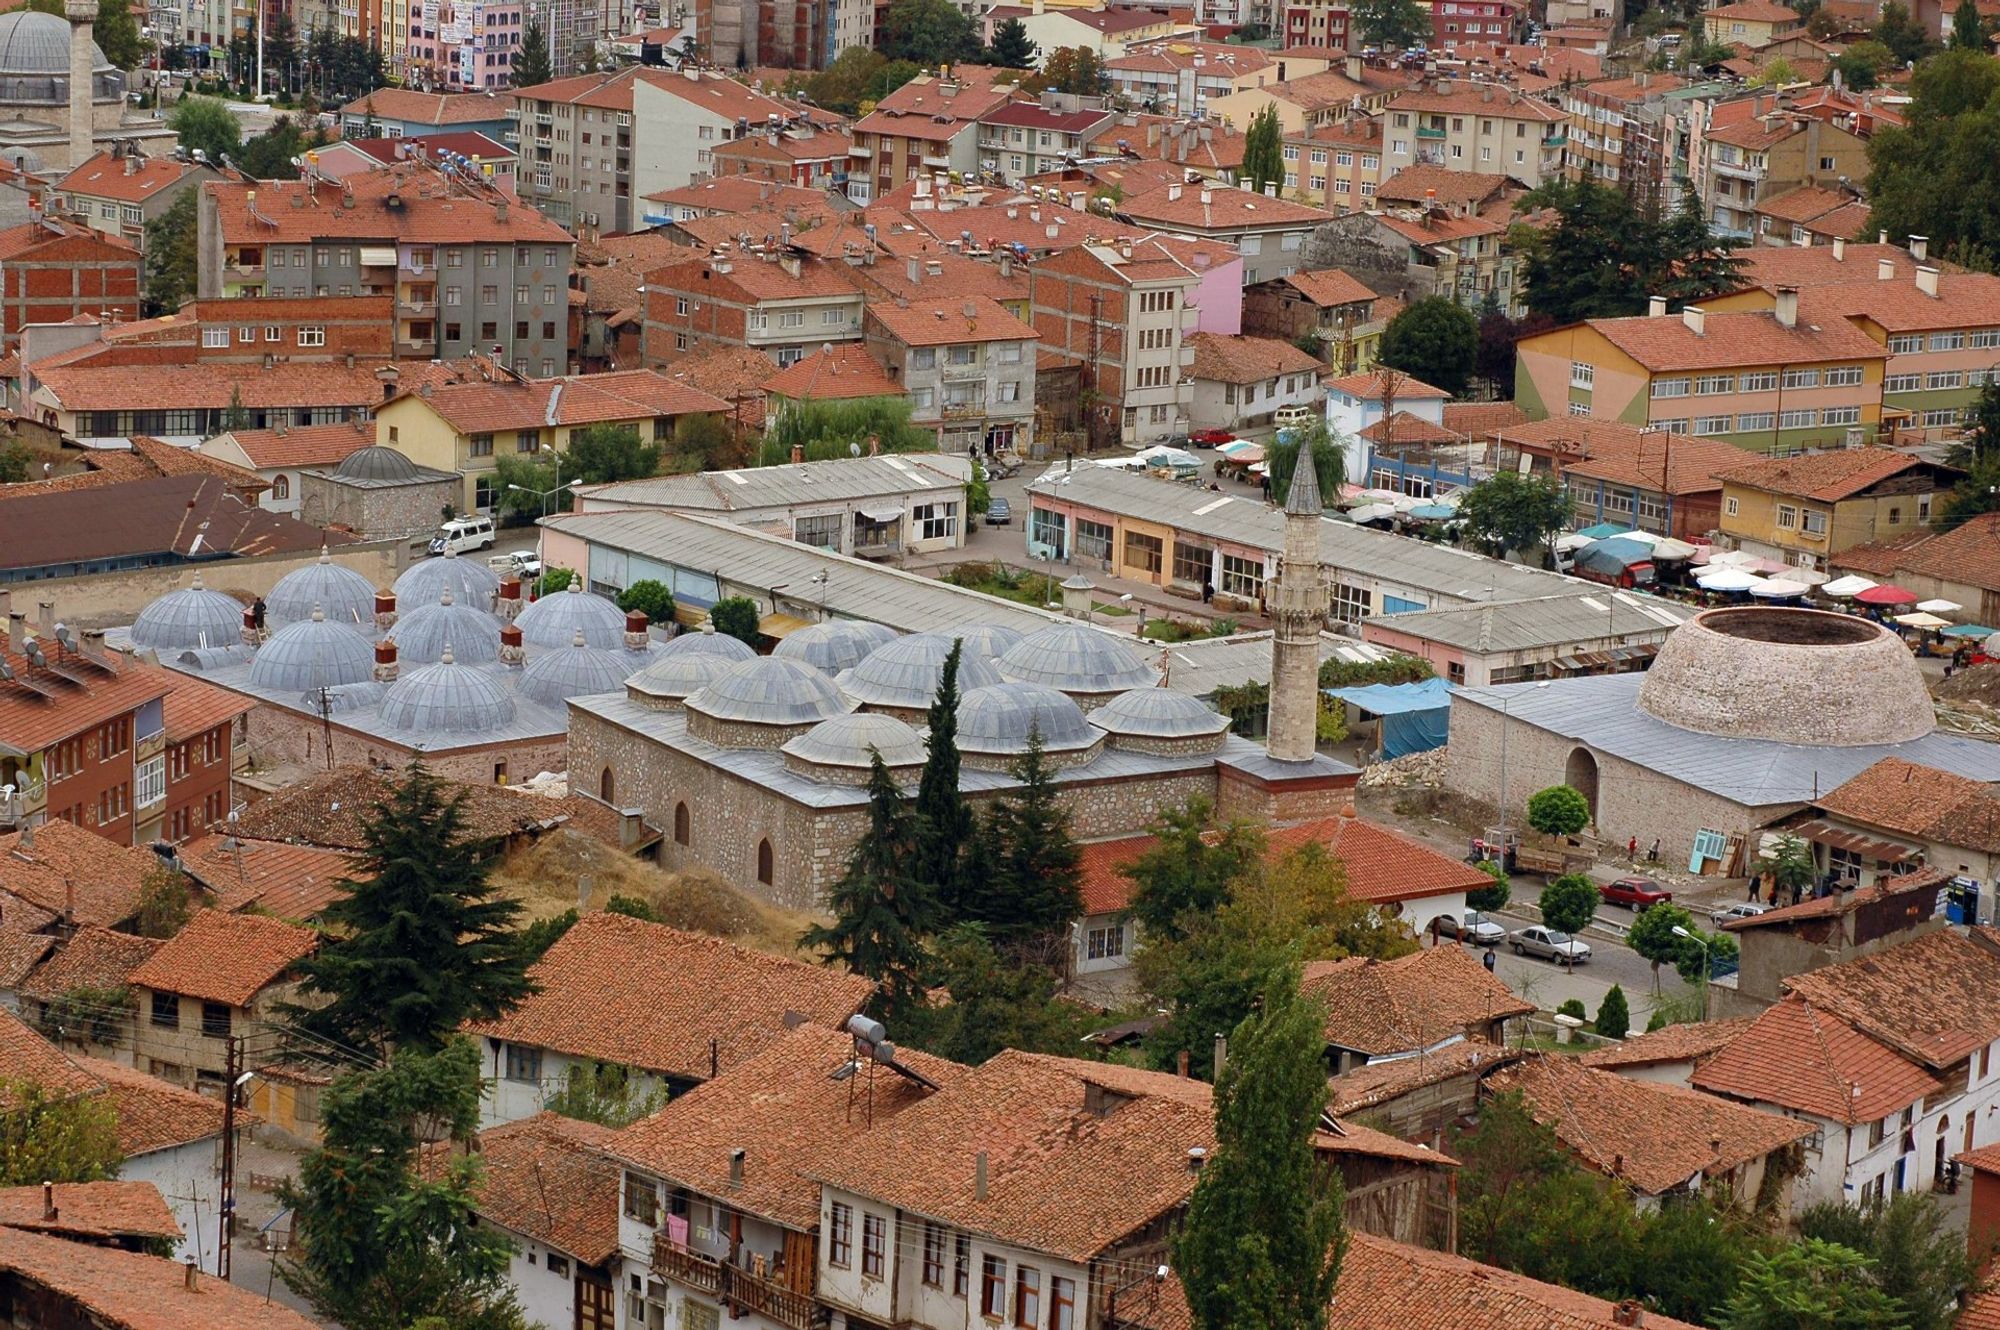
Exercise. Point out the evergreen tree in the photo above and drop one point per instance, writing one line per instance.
(1264, 1237)
(117, 34)
(1011, 48)
(1031, 891)
(532, 66)
(993, 1006)
(1811, 1285)
(1263, 151)
(944, 824)
(1435, 340)
(1614, 1015)
(1908, 39)
(235, 416)
(1594, 260)
(1694, 265)
(172, 264)
(883, 909)
(423, 942)
(1392, 24)
(928, 32)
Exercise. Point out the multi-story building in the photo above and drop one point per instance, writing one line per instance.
(1180, 77)
(1337, 166)
(1427, 252)
(1241, 382)
(1319, 24)
(1269, 232)
(1751, 23)
(928, 126)
(223, 976)
(1027, 138)
(118, 192)
(1759, 147)
(1123, 311)
(464, 45)
(1325, 304)
(1470, 126)
(1616, 132)
(1105, 31)
(1456, 23)
(470, 268)
(401, 113)
(1766, 380)
(798, 154)
(52, 271)
(1806, 509)
(1810, 215)
(967, 366)
(1312, 99)
(777, 301)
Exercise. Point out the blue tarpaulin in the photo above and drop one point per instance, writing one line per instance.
(1415, 716)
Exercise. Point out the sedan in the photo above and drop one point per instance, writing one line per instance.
(1740, 910)
(1474, 927)
(1634, 893)
(999, 512)
(1548, 944)
(1209, 438)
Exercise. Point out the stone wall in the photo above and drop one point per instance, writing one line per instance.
(282, 740)
(1241, 797)
(105, 600)
(399, 512)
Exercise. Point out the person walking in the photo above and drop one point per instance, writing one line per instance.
(1207, 591)
(1653, 855)
(1632, 849)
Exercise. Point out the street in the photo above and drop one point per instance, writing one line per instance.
(1548, 985)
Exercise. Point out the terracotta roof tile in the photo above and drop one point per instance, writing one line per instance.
(546, 1178)
(90, 1210)
(1967, 554)
(152, 1114)
(944, 320)
(431, 108)
(1371, 387)
(294, 882)
(742, 193)
(305, 446)
(70, 871)
(1416, 184)
(193, 708)
(428, 211)
(1744, 337)
(1827, 477)
(20, 953)
(93, 958)
(1807, 266)
(1376, 1083)
(1624, 454)
(843, 372)
(1846, 902)
(329, 810)
(1919, 997)
(1687, 1042)
(1468, 98)
(105, 177)
(1327, 287)
(211, 385)
(225, 957)
(1403, 427)
(1804, 203)
(17, 241)
(1241, 359)
(1435, 230)
(1413, 1002)
(482, 407)
(645, 995)
(1923, 802)
(824, 145)
(1474, 420)
(734, 374)
(1798, 1056)
(33, 1060)
(1226, 209)
(1981, 1312)
(1379, 865)
(1964, 300)
(467, 142)
(134, 1292)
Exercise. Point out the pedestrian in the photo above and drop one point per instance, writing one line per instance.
(1207, 591)
(257, 615)
(1632, 849)
(1487, 960)
(1755, 882)
(1653, 855)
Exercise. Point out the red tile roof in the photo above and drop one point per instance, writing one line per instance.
(294, 882)
(645, 995)
(20, 953)
(734, 374)
(1804, 203)
(1756, 11)
(90, 1210)
(130, 1291)
(1825, 477)
(1435, 230)
(504, 403)
(1031, 115)
(428, 211)
(1373, 1084)
(19, 241)
(66, 870)
(152, 1114)
(228, 958)
(98, 958)
(431, 108)
(1625, 454)
(329, 809)
(942, 320)
(1374, 385)
(466, 142)
(845, 371)
(106, 177)
(1964, 300)
(1798, 1056)
(742, 193)
(214, 384)
(546, 1178)
(1243, 359)
(304, 446)
(1688, 1042)
(1378, 865)
(1911, 800)
(1475, 420)
(1847, 902)
(193, 708)
(1228, 210)
(1918, 997)
(1413, 1002)
(1746, 337)
(1967, 554)
(1327, 287)
(33, 1060)
(1815, 265)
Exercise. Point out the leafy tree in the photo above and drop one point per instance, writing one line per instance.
(1614, 1016)
(1495, 896)
(1011, 48)
(1652, 936)
(172, 265)
(382, 1240)
(1980, 439)
(1790, 864)
(1391, 24)
(1810, 1285)
(601, 453)
(605, 1093)
(993, 1005)
(1691, 1255)
(553, 580)
(1573, 1008)
(1559, 810)
(1264, 1237)
(87, 1014)
(738, 617)
(422, 942)
(1569, 903)
(269, 155)
(1703, 952)
(52, 1138)
(15, 461)
(1920, 1259)
(943, 823)
(1775, 74)
(632, 907)
(1184, 875)
(1263, 150)
(978, 494)
(1435, 340)
(207, 125)
(117, 34)
(1032, 891)
(842, 429)
(532, 66)
(1939, 175)
(1696, 266)
(1077, 70)
(883, 909)
(930, 32)
(1861, 65)
(528, 484)
(1593, 260)
(1904, 36)
(843, 85)
(1329, 460)
(650, 597)
(166, 902)
(1510, 511)
(890, 77)
(703, 442)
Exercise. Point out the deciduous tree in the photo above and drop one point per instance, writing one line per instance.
(1395, 25)
(1185, 875)
(1329, 460)
(929, 32)
(738, 617)
(1077, 70)
(1509, 511)
(598, 454)
(1811, 1285)
(206, 125)
(55, 1138)
(1569, 903)
(166, 902)
(1559, 810)
(650, 597)
(1938, 175)
(1435, 340)
(1903, 35)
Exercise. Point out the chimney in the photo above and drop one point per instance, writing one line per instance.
(1920, 248)
(1885, 270)
(49, 1201)
(798, 454)
(1221, 1055)
(500, 210)
(1181, 1064)
(45, 619)
(1196, 1157)
(385, 610)
(385, 660)
(636, 636)
(251, 637)
(1881, 237)
(1629, 1312)
(979, 1176)
(1354, 68)
(913, 268)
(1174, 192)
(17, 632)
(1696, 318)
(1788, 307)
(1656, 306)
(192, 1280)
(508, 606)
(1839, 249)
(736, 1168)
(511, 651)
(1006, 265)
(1927, 282)
(82, 16)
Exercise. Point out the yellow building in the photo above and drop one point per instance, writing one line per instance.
(468, 425)
(1806, 509)
(1749, 22)
(1337, 166)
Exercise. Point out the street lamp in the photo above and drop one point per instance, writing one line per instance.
(543, 495)
(1701, 942)
(1506, 722)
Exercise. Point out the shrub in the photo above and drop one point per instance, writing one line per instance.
(1614, 1017)
(1560, 810)
(1573, 1007)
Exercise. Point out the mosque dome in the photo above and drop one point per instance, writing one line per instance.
(313, 653)
(555, 620)
(577, 670)
(34, 59)
(671, 679)
(707, 642)
(1158, 714)
(472, 583)
(344, 595)
(879, 634)
(988, 640)
(1789, 675)
(448, 697)
(995, 721)
(769, 691)
(1074, 658)
(377, 464)
(422, 635)
(188, 618)
(830, 647)
(840, 749)
(905, 673)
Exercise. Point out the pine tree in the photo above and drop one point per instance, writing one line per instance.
(531, 63)
(1263, 1242)
(1695, 266)
(1031, 892)
(422, 942)
(944, 825)
(883, 910)
(1968, 31)
(1263, 150)
(1614, 1015)
(1011, 48)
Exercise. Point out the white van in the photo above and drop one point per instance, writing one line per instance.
(1291, 417)
(461, 534)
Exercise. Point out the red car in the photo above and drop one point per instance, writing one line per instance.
(1209, 438)
(1634, 893)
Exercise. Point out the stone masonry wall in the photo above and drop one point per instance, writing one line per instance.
(281, 739)
(104, 600)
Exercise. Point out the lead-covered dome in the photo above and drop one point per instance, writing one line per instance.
(342, 594)
(904, 674)
(994, 723)
(472, 583)
(671, 679)
(989, 640)
(448, 697)
(840, 750)
(314, 653)
(1077, 660)
(769, 691)
(555, 620)
(1158, 715)
(376, 464)
(34, 56)
(422, 635)
(577, 670)
(189, 618)
(1794, 676)
(830, 647)
(708, 642)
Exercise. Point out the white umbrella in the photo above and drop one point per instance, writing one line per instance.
(1922, 620)
(1731, 559)
(1843, 587)
(1729, 579)
(1810, 576)
(1371, 512)
(1779, 589)
(1572, 541)
(1939, 606)
(1666, 547)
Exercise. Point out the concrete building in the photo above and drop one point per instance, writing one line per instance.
(1123, 312)
(967, 367)
(222, 975)
(1023, 139)
(1241, 382)
(772, 299)
(1751, 23)
(1806, 510)
(119, 191)
(282, 456)
(1760, 148)
(1470, 126)
(927, 126)
(1576, 631)
(402, 113)
(1109, 33)
(1649, 479)
(1267, 231)
(54, 271)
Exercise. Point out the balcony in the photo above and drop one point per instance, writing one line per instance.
(961, 373)
(739, 1290)
(963, 411)
(673, 1261)
(1428, 132)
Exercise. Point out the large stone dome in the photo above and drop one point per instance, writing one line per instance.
(830, 647)
(708, 642)
(555, 620)
(189, 618)
(1078, 660)
(315, 653)
(344, 595)
(839, 750)
(36, 45)
(471, 582)
(1794, 676)
(577, 670)
(422, 635)
(446, 698)
(994, 722)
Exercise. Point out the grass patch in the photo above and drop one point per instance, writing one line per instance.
(1185, 630)
(997, 579)
(1114, 608)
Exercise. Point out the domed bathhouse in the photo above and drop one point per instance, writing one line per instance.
(377, 493)
(337, 592)
(900, 678)
(189, 619)
(471, 582)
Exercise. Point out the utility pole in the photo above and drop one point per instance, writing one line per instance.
(232, 1073)
(1091, 394)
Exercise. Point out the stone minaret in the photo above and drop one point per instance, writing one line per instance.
(82, 15)
(1298, 605)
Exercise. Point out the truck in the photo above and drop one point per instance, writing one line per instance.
(1551, 856)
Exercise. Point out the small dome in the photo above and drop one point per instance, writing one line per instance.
(446, 698)
(192, 617)
(830, 647)
(376, 463)
(343, 594)
(989, 640)
(577, 670)
(769, 691)
(472, 583)
(422, 635)
(997, 719)
(675, 678)
(1158, 713)
(1077, 659)
(707, 642)
(316, 653)
(554, 620)
(845, 741)
(906, 672)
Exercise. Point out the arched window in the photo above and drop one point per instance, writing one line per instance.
(680, 824)
(281, 487)
(605, 786)
(764, 862)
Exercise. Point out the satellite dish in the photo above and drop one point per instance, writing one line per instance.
(854, 450)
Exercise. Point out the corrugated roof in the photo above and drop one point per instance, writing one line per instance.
(836, 480)
(1557, 620)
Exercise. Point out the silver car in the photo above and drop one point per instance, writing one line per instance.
(1473, 927)
(1740, 910)
(1548, 944)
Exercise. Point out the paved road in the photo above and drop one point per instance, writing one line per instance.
(1548, 985)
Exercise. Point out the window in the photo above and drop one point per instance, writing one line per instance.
(933, 1256)
(152, 780)
(1902, 383)
(1944, 379)
(1103, 944)
(1027, 1297)
(1093, 539)
(1193, 564)
(873, 1228)
(214, 337)
(1062, 1304)
(1242, 577)
(1143, 552)
(1788, 517)
(1948, 341)
(1711, 425)
(1581, 375)
(642, 1199)
(1904, 344)
(840, 1235)
(1730, 507)
(766, 869)
(935, 521)
(993, 1287)
(961, 1264)
(1798, 419)
(480, 445)
(1941, 417)
(1751, 421)
(312, 337)
(1802, 378)
(167, 1010)
(1813, 522)
(1840, 415)
(1843, 376)
(923, 357)
(1708, 385)
(215, 1020)
(822, 530)
(1762, 381)
(1670, 387)
(524, 1064)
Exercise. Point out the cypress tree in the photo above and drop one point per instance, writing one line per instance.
(1032, 890)
(1968, 30)
(1614, 1015)
(883, 910)
(944, 825)
(1263, 150)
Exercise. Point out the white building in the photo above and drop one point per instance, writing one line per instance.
(1241, 383)
(280, 456)
(1355, 402)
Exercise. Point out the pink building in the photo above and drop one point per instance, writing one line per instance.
(463, 45)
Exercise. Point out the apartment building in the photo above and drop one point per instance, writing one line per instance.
(1751, 23)
(928, 126)
(1427, 251)
(967, 366)
(1768, 381)
(1023, 139)
(1124, 312)
(1318, 24)
(775, 300)
(1313, 99)
(798, 154)
(52, 271)
(1759, 148)
(1336, 167)
(1806, 509)
(1108, 32)
(1616, 132)
(469, 267)
(1469, 126)
(1182, 77)
(1268, 232)
(119, 192)
(463, 45)
(1456, 23)
(403, 113)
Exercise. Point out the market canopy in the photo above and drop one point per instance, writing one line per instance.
(1779, 589)
(1887, 594)
(1612, 556)
(1968, 630)
(1433, 512)
(1939, 606)
(1847, 587)
(1922, 620)
(1604, 531)
(1415, 716)
(1729, 579)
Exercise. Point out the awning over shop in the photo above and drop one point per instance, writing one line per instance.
(884, 515)
(1823, 832)
(779, 625)
(378, 256)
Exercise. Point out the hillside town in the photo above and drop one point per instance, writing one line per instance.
(1062, 664)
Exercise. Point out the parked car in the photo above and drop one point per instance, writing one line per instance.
(462, 534)
(1209, 438)
(1740, 910)
(1291, 417)
(999, 513)
(1472, 927)
(1548, 944)
(1181, 441)
(1634, 893)
(524, 564)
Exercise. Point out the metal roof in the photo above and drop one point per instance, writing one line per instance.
(422, 635)
(680, 674)
(1077, 658)
(705, 641)
(847, 741)
(1603, 712)
(830, 647)
(769, 691)
(447, 698)
(1000, 717)
(907, 672)
(1158, 713)
(788, 484)
(1560, 620)
(576, 670)
(317, 653)
(1200, 667)
(345, 595)
(193, 616)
